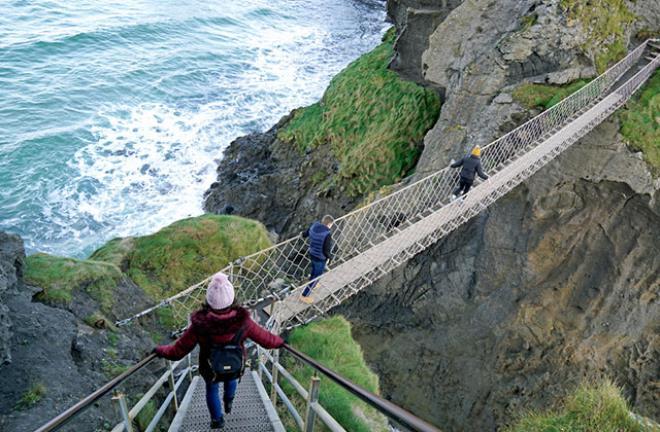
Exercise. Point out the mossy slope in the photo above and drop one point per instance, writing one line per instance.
(59, 277)
(640, 123)
(544, 96)
(372, 119)
(185, 252)
(331, 343)
(591, 408)
(161, 264)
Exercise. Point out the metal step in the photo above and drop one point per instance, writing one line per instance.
(252, 410)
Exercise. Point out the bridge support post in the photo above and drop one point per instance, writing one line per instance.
(173, 385)
(312, 399)
(190, 371)
(275, 374)
(123, 408)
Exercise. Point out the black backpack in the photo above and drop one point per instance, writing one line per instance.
(226, 361)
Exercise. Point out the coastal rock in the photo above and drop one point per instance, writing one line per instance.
(57, 358)
(480, 49)
(415, 20)
(11, 263)
(266, 179)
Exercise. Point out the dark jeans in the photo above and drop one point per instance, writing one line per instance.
(318, 267)
(213, 396)
(464, 186)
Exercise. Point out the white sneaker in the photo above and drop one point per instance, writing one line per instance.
(453, 197)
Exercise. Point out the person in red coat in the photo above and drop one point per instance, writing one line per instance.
(217, 323)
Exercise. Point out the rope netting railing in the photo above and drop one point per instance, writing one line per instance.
(344, 281)
(422, 210)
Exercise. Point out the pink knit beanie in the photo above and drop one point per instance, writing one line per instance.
(220, 293)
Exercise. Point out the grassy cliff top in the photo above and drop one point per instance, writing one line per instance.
(59, 277)
(373, 120)
(162, 264)
(185, 252)
(591, 408)
(331, 343)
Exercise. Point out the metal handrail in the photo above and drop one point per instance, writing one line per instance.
(84, 403)
(386, 407)
(278, 369)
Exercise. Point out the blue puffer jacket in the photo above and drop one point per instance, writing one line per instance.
(320, 243)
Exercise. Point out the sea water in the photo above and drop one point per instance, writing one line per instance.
(114, 115)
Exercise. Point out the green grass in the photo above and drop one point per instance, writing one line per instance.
(59, 277)
(592, 408)
(111, 367)
(372, 119)
(640, 123)
(116, 251)
(544, 96)
(188, 251)
(330, 342)
(162, 264)
(605, 23)
(31, 397)
(146, 414)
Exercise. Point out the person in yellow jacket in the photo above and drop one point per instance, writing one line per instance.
(471, 165)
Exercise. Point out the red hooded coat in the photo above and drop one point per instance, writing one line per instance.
(209, 326)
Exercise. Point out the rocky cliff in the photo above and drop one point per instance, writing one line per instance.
(52, 356)
(555, 283)
(11, 271)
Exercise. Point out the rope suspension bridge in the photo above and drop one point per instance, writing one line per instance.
(370, 242)
(374, 239)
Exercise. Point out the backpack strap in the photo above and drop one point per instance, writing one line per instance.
(238, 336)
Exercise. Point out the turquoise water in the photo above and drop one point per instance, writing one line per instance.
(113, 115)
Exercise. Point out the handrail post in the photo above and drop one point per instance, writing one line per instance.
(190, 373)
(259, 362)
(312, 398)
(275, 374)
(173, 385)
(123, 408)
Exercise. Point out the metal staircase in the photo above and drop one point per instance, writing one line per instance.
(252, 410)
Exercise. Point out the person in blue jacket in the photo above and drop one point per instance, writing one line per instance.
(320, 251)
(471, 165)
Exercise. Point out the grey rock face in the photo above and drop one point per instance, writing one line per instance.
(647, 14)
(265, 179)
(557, 282)
(481, 48)
(415, 20)
(11, 263)
(53, 349)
